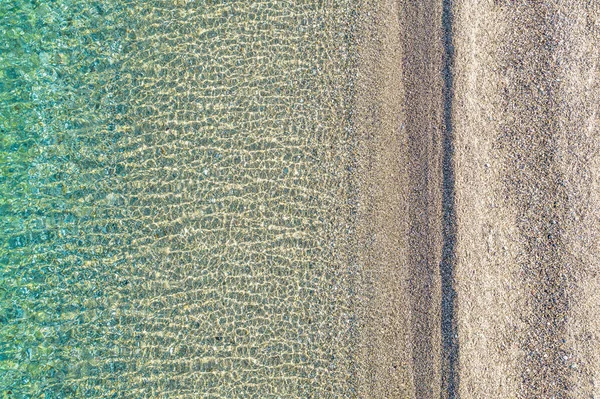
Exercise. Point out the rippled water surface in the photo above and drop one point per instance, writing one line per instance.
(172, 178)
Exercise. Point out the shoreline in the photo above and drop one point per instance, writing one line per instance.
(399, 121)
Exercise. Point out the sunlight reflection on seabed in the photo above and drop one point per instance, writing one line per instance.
(173, 177)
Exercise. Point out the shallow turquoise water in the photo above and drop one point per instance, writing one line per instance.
(173, 199)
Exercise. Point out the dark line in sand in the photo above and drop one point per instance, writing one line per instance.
(450, 344)
(421, 75)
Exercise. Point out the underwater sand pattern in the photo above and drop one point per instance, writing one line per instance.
(173, 187)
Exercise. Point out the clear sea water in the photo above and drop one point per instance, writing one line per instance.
(173, 199)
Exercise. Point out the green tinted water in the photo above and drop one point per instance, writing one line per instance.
(172, 199)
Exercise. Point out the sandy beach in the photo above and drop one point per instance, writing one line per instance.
(399, 122)
(478, 197)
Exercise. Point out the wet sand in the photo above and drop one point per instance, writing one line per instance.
(399, 122)
(478, 199)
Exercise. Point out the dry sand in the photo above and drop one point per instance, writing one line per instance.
(478, 199)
